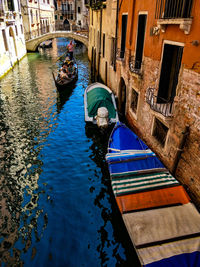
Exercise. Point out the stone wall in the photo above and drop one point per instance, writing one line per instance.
(186, 113)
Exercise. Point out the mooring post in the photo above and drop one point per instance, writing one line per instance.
(185, 133)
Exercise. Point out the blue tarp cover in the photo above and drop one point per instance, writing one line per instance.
(183, 260)
(122, 138)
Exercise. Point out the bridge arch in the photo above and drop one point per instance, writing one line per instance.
(32, 45)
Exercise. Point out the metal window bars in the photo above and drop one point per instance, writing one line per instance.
(159, 104)
(172, 9)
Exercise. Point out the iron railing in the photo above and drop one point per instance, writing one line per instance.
(159, 104)
(135, 66)
(171, 9)
(120, 54)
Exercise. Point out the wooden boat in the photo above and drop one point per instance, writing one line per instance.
(62, 84)
(100, 106)
(46, 44)
(162, 222)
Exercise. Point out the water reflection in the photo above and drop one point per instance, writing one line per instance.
(27, 118)
(56, 203)
(109, 211)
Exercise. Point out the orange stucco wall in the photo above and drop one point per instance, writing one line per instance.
(153, 44)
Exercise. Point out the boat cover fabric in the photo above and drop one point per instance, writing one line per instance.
(160, 225)
(122, 138)
(183, 253)
(144, 182)
(100, 97)
(136, 164)
(128, 153)
(152, 199)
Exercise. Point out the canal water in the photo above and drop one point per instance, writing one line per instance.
(56, 203)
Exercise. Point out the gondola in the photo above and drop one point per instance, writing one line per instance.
(62, 84)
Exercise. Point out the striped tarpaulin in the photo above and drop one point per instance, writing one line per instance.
(144, 182)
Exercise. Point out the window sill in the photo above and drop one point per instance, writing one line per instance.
(184, 24)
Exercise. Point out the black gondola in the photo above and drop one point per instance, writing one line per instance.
(61, 84)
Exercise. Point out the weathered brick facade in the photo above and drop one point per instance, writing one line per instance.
(179, 149)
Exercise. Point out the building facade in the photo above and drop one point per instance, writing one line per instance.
(157, 79)
(71, 15)
(38, 17)
(12, 43)
(102, 36)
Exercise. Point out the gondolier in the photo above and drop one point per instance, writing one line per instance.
(70, 48)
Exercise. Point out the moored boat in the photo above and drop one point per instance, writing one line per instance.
(163, 223)
(46, 44)
(100, 106)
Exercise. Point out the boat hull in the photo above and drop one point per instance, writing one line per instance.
(99, 103)
(162, 222)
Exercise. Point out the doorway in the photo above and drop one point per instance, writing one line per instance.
(171, 62)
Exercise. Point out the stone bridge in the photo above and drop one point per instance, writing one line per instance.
(32, 44)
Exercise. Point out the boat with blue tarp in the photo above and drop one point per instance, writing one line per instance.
(163, 223)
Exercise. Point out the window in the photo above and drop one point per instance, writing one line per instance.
(171, 62)
(160, 132)
(168, 9)
(31, 14)
(79, 9)
(11, 6)
(56, 17)
(123, 35)
(103, 52)
(134, 101)
(5, 40)
(22, 30)
(16, 30)
(140, 40)
(61, 17)
(112, 54)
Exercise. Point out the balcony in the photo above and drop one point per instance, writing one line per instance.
(120, 54)
(67, 12)
(158, 104)
(135, 66)
(176, 12)
(97, 4)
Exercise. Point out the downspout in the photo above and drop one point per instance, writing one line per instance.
(116, 33)
(99, 52)
(180, 149)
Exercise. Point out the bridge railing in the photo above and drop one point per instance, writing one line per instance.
(48, 29)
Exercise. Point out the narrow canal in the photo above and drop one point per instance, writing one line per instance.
(56, 203)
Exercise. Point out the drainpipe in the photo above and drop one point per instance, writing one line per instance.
(180, 149)
(99, 52)
(116, 32)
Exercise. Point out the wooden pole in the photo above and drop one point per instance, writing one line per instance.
(180, 149)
